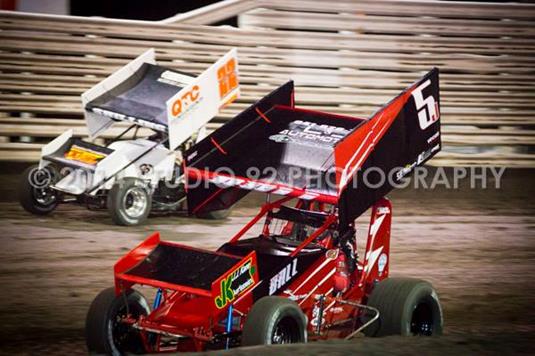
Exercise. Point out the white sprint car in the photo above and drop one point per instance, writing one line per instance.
(131, 177)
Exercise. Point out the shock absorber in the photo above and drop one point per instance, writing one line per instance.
(341, 274)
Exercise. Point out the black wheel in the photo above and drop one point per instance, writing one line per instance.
(274, 320)
(215, 215)
(406, 306)
(104, 329)
(35, 194)
(129, 201)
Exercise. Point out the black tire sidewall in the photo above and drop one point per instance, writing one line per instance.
(26, 192)
(275, 318)
(105, 307)
(396, 300)
(265, 316)
(422, 293)
(116, 197)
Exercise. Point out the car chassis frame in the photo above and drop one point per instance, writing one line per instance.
(335, 315)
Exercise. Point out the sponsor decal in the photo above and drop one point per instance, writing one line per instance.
(310, 134)
(421, 158)
(235, 283)
(434, 137)
(186, 101)
(381, 264)
(427, 108)
(331, 254)
(383, 210)
(284, 276)
(193, 155)
(84, 155)
(227, 182)
(337, 310)
(315, 313)
(280, 138)
(227, 77)
(294, 297)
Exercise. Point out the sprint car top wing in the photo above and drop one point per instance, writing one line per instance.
(273, 147)
(160, 98)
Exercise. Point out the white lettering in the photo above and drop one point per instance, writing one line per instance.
(283, 277)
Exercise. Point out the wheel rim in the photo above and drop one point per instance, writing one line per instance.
(44, 196)
(422, 320)
(286, 332)
(122, 336)
(135, 202)
(42, 193)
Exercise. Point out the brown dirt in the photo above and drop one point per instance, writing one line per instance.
(476, 247)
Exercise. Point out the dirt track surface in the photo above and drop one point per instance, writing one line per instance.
(475, 247)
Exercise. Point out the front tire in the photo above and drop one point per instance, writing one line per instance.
(129, 201)
(274, 320)
(35, 194)
(105, 333)
(407, 306)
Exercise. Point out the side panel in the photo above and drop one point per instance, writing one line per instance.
(213, 197)
(54, 146)
(374, 158)
(193, 106)
(294, 276)
(122, 163)
(132, 258)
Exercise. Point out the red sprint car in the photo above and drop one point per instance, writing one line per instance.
(293, 273)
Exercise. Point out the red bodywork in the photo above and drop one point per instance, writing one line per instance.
(312, 259)
(193, 317)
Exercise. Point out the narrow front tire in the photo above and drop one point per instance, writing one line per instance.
(274, 320)
(35, 193)
(129, 201)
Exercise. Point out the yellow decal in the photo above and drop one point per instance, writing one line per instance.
(77, 153)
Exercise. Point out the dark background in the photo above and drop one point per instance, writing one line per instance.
(139, 9)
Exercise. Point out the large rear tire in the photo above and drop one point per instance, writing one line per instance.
(35, 194)
(105, 334)
(129, 201)
(274, 320)
(407, 306)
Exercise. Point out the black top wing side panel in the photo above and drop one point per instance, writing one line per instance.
(205, 155)
(411, 138)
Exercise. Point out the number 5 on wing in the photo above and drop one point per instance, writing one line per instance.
(429, 116)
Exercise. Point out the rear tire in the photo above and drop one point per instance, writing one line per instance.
(215, 215)
(104, 332)
(407, 306)
(129, 201)
(274, 320)
(35, 194)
